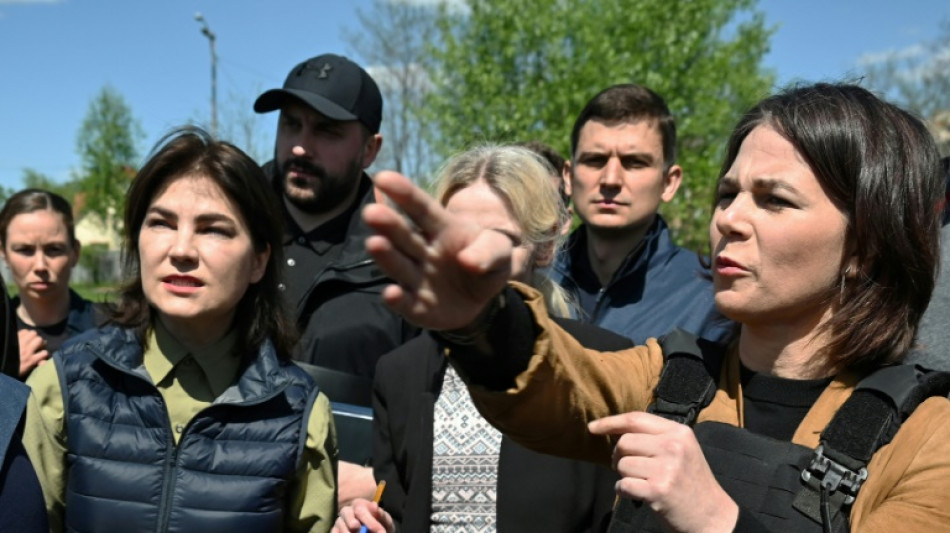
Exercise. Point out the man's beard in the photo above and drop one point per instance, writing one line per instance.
(327, 190)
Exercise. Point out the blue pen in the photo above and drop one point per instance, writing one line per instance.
(376, 497)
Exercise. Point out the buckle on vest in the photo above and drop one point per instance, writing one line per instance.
(833, 476)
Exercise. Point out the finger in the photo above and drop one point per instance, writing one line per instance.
(396, 265)
(488, 253)
(347, 520)
(632, 422)
(637, 467)
(634, 445)
(389, 224)
(35, 343)
(636, 489)
(367, 515)
(421, 208)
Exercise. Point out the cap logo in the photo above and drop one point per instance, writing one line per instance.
(324, 71)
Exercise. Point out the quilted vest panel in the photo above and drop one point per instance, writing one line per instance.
(230, 471)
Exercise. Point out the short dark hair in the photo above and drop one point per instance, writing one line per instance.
(30, 200)
(881, 167)
(629, 102)
(191, 151)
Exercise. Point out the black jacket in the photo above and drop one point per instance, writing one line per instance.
(536, 492)
(9, 344)
(343, 321)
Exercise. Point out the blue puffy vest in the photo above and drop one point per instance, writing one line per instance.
(231, 470)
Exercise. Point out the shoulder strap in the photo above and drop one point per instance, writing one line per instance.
(688, 381)
(868, 420)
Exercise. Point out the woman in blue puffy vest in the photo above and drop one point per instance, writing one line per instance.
(186, 414)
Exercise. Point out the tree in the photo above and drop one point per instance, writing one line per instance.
(917, 78)
(512, 70)
(33, 179)
(393, 40)
(108, 148)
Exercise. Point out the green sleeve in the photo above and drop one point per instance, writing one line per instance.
(313, 496)
(44, 437)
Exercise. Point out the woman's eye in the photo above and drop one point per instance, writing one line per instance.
(156, 223)
(725, 196)
(777, 201)
(218, 230)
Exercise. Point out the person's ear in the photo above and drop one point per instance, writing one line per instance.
(259, 266)
(566, 176)
(74, 254)
(671, 182)
(851, 268)
(371, 149)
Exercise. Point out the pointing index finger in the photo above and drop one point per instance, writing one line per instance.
(633, 422)
(421, 208)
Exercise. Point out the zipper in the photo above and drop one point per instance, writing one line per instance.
(171, 457)
(168, 477)
(171, 451)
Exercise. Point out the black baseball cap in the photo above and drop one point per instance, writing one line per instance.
(333, 86)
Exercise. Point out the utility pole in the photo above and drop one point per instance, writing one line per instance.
(206, 31)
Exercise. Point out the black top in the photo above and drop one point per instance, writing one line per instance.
(308, 253)
(9, 345)
(83, 315)
(775, 406)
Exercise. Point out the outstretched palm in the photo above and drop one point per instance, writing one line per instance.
(446, 270)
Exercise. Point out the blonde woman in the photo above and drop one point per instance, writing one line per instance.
(445, 468)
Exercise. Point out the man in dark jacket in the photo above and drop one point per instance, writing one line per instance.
(620, 264)
(327, 134)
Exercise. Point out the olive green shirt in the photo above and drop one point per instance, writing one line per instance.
(188, 382)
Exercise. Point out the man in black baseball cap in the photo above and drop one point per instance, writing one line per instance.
(327, 134)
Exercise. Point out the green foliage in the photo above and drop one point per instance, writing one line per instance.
(5, 193)
(108, 147)
(513, 70)
(33, 179)
(91, 259)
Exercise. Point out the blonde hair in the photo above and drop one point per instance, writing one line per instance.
(522, 179)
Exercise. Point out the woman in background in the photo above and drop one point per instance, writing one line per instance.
(446, 469)
(39, 245)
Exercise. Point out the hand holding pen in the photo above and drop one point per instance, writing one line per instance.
(365, 516)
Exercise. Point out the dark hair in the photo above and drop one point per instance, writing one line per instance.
(190, 151)
(553, 158)
(946, 195)
(30, 200)
(881, 167)
(630, 102)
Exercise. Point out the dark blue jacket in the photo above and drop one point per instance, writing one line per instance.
(231, 469)
(657, 288)
(21, 499)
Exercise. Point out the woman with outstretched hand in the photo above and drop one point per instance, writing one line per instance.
(824, 251)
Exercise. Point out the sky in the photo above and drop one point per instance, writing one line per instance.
(56, 55)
